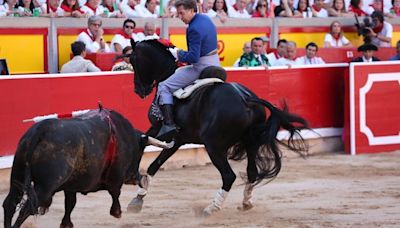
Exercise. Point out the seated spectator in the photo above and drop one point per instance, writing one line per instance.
(149, 32)
(263, 10)
(238, 10)
(291, 58)
(221, 10)
(335, 37)
(338, 9)
(71, 8)
(356, 6)
(395, 10)
(208, 8)
(382, 32)
(26, 8)
(397, 56)
(318, 10)
(286, 9)
(255, 57)
(123, 38)
(111, 9)
(52, 9)
(265, 44)
(368, 51)
(125, 63)
(377, 5)
(246, 50)
(8, 8)
(279, 53)
(311, 56)
(93, 36)
(170, 10)
(78, 63)
(131, 9)
(303, 9)
(150, 9)
(93, 7)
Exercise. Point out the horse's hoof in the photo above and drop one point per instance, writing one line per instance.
(135, 206)
(245, 207)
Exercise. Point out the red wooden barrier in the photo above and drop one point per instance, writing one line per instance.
(315, 93)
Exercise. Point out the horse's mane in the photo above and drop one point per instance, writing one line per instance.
(156, 44)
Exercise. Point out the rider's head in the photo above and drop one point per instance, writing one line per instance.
(186, 9)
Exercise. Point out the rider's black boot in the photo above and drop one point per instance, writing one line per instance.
(168, 129)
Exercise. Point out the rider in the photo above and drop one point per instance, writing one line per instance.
(202, 52)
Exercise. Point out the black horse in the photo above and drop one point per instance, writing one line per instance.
(229, 119)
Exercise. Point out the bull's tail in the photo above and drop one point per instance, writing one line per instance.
(262, 146)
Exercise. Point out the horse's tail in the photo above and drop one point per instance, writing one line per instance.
(261, 143)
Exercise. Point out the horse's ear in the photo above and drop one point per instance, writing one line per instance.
(133, 44)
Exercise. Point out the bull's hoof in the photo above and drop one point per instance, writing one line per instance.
(116, 213)
(135, 206)
(245, 207)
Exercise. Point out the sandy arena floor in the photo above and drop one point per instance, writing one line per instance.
(334, 190)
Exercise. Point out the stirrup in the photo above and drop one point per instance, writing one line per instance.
(167, 133)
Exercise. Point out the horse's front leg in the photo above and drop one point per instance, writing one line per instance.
(136, 204)
(219, 159)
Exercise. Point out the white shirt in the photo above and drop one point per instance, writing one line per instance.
(303, 60)
(272, 58)
(387, 4)
(4, 9)
(211, 13)
(387, 31)
(124, 42)
(236, 14)
(285, 62)
(91, 46)
(90, 12)
(144, 12)
(129, 12)
(322, 13)
(336, 43)
(79, 64)
(367, 60)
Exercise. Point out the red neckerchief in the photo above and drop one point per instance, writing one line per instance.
(378, 29)
(133, 8)
(357, 11)
(236, 8)
(396, 10)
(110, 9)
(68, 9)
(122, 33)
(336, 37)
(89, 34)
(94, 9)
(315, 8)
(276, 55)
(258, 14)
(51, 9)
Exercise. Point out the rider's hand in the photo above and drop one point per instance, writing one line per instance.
(174, 51)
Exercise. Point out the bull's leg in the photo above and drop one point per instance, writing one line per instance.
(247, 203)
(10, 203)
(69, 204)
(24, 213)
(136, 204)
(116, 206)
(218, 157)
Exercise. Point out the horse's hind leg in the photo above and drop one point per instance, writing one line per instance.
(136, 203)
(218, 157)
(10, 203)
(247, 203)
(69, 204)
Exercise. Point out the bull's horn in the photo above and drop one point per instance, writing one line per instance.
(158, 143)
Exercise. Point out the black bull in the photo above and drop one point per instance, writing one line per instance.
(97, 151)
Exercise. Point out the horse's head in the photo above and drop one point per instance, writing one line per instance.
(152, 63)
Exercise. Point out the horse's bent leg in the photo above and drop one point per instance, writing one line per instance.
(69, 204)
(219, 159)
(10, 204)
(247, 203)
